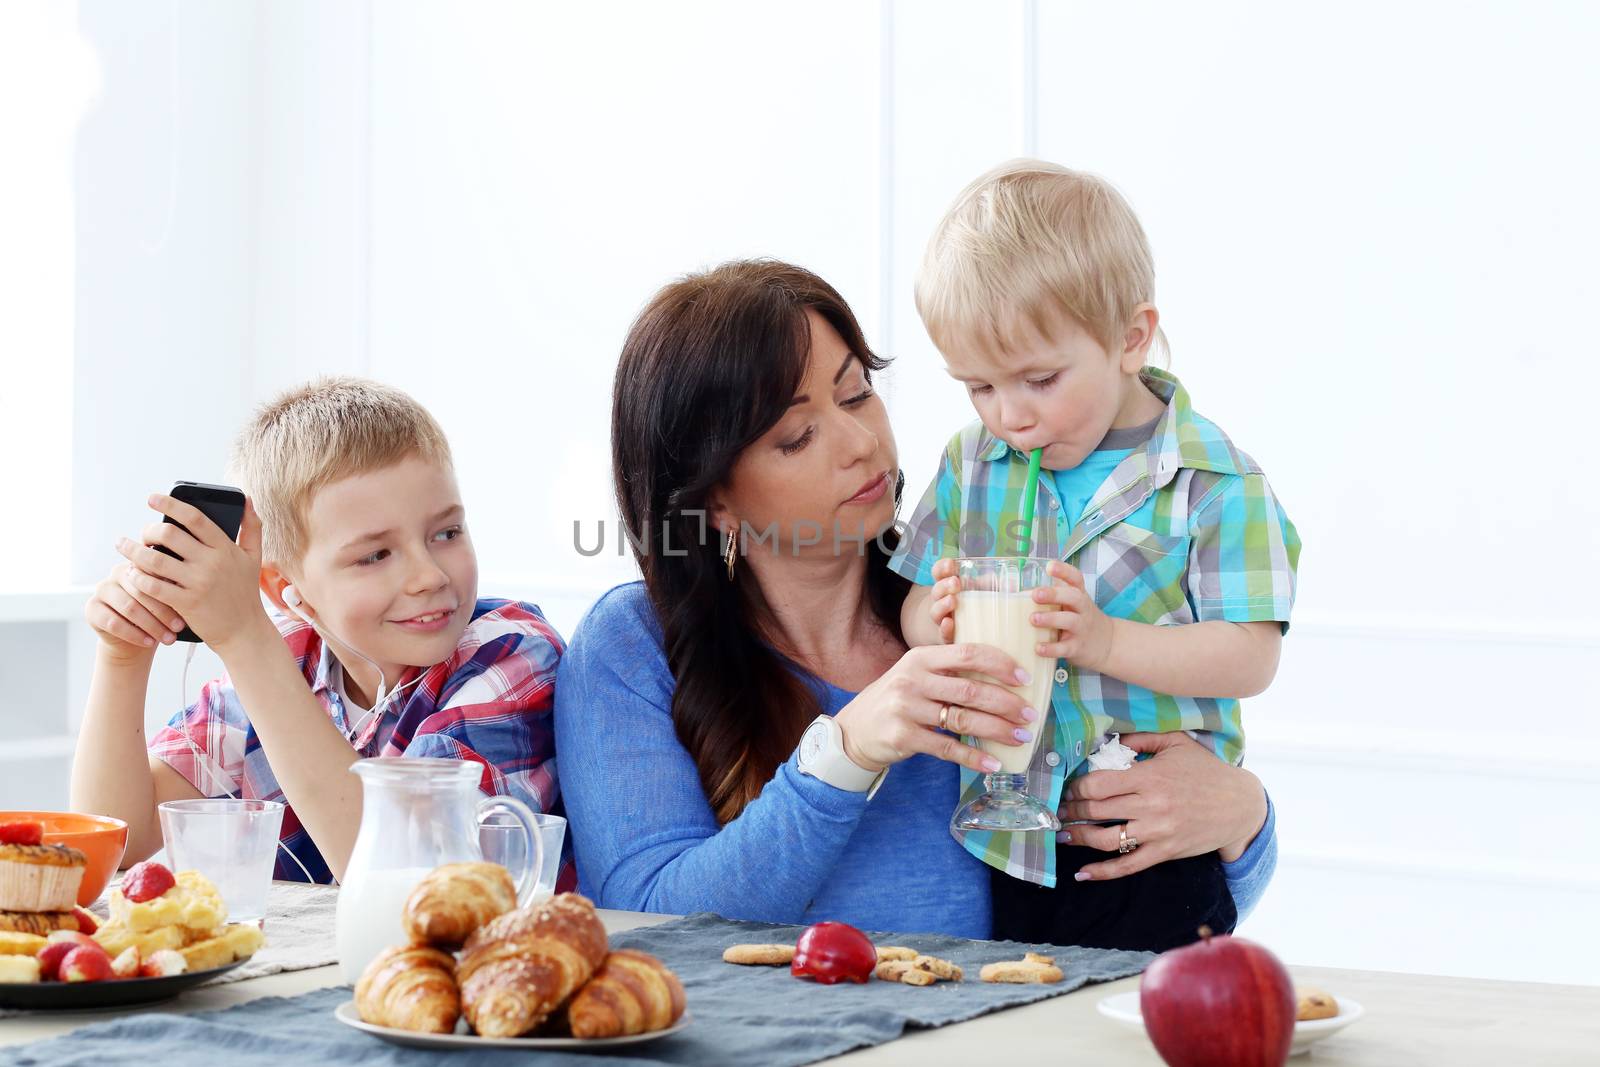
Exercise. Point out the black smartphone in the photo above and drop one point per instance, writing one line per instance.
(222, 504)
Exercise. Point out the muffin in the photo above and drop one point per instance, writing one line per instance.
(36, 878)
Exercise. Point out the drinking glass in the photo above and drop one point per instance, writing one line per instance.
(995, 607)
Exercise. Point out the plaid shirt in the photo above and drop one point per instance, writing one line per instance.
(1184, 530)
(489, 702)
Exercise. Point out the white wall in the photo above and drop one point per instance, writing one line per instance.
(1374, 234)
(47, 77)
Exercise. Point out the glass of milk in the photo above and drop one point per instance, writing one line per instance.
(995, 607)
(417, 814)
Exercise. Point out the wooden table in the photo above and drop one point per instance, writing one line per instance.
(1410, 1019)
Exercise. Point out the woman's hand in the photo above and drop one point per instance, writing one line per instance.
(1181, 802)
(898, 715)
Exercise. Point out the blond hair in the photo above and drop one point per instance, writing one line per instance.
(1028, 242)
(319, 433)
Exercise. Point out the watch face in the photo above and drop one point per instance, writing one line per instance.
(811, 743)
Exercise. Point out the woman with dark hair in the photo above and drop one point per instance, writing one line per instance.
(744, 731)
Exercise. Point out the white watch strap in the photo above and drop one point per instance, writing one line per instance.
(830, 763)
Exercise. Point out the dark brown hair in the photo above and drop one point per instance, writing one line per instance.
(710, 365)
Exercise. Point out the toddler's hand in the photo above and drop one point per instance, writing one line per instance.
(942, 605)
(1084, 637)
(130, 623)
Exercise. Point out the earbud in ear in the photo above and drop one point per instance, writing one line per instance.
(291, 596)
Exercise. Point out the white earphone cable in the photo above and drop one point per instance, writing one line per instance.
(213, 766)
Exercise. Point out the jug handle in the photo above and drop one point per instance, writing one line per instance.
(529, 878)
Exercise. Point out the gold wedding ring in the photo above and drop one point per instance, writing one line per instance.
(1126, 844)
(944, 717)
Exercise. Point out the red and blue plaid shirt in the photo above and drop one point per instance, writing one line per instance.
(489, 702)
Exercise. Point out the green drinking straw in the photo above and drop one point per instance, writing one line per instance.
(1030, 496)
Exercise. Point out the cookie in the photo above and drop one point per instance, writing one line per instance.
(938, 968)
(759, 955)
(895, 952)
(1021, 972)
(904, 972)
(1313, 1004)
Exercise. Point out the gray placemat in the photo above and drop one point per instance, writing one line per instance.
(741, 1015)
(299, 931)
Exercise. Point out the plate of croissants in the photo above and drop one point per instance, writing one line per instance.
(479, 971)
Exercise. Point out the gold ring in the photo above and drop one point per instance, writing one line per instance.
(944, 717)
(1126, 844)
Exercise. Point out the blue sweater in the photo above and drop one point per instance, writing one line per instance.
(646, 839)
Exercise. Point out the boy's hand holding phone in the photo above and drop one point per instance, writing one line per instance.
(942, 606)
(130, 625)
(212, 582)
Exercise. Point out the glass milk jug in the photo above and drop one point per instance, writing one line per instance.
(416, 814)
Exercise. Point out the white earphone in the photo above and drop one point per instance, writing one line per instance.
(210, 766)
(293, 601)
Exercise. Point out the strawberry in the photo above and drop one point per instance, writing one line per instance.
(50, 959)
(59, 943)
(74, 937)
(86, 963)
(146, 881)
(163, 963)
(87, 923)
(127, 965)
(21, 833)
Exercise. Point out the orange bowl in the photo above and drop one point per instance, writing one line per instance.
(99, 837)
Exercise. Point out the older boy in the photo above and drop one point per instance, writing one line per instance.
(383, 647)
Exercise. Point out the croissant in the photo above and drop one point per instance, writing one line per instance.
(519, 968)
(453, 900)
(410, 988)
(631, 993)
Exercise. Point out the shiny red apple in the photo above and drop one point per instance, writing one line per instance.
(833, 952)
(1221, 1002)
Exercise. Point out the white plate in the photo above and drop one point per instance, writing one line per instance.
(463, 1038)
(1124, 1008)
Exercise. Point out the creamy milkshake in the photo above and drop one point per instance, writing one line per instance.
(1004, 621)
(995, 607)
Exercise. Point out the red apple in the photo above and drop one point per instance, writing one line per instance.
(87, 923)
(86, 963)
(1221, 1002)
(833, 952)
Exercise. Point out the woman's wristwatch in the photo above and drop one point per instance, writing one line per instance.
(822, 756)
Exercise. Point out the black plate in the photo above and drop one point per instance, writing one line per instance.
(111, 993)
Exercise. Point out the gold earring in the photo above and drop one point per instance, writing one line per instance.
(732, 554)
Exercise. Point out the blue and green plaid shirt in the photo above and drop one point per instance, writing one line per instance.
(1184, 530)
